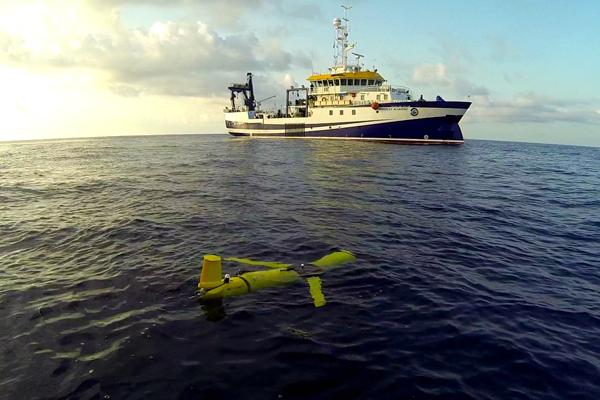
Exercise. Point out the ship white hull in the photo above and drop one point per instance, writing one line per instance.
(424, 122)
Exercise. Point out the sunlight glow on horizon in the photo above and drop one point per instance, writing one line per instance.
(77, 103)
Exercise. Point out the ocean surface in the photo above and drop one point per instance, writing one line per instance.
(477, 272)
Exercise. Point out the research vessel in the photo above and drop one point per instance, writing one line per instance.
(347, 102)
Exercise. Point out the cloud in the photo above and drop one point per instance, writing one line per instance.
(76, 102)
(533, 108)
(173, 3)
(125, 90)
(172, 58)
(431, 74)
(288, 80)
(522, 108)
(454, 72)
(468, 88)
(11, 48)
(224, 13)
(439, 75)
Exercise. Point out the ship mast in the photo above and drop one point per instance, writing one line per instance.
(341, 48)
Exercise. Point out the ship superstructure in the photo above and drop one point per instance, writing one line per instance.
(347, 102)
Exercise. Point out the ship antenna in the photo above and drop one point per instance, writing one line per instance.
(346, 8)
(345, 47)
(341, 46)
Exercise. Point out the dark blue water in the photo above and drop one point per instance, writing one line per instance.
(478, 272)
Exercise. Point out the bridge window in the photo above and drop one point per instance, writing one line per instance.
(331, 82)
(363, 82)
(325, 83)
(337, 82)
(371, 82)
(343, 82)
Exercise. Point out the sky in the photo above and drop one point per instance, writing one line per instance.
(77, 68)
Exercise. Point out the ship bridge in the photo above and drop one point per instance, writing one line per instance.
(353, 88)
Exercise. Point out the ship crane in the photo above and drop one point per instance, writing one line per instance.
(247, 90)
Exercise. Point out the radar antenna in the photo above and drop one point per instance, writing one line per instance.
(358, 57)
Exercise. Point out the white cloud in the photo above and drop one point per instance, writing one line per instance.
(125, 90)
(532, 108)
(173, 58)
(525, 107)
(288, 81)
(464, 87)
(439, 75)
(222, 13)
(431, 74)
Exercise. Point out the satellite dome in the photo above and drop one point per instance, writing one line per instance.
(337, 22)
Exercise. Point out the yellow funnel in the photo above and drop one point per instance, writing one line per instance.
(210, 276)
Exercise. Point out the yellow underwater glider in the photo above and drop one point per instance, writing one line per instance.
(213, 285)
